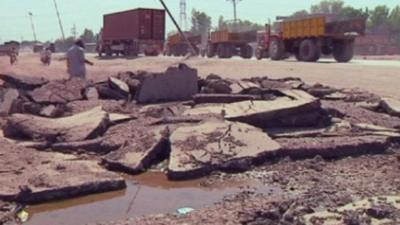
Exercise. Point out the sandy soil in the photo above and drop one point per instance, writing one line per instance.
(378, 76)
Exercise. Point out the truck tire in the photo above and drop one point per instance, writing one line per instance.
(108, 51)
(343, 51)
(246, 52)
(224, 51)
(260, 54)
(309, 51)
(210, 51)
(277, 49)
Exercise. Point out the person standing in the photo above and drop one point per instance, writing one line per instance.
(76, 60)
(45, 56)
(13, 56)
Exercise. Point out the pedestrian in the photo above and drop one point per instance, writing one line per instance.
(76, 60)
(45, 56)
(13, 56)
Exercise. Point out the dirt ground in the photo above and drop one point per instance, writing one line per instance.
(377, 76)
(296, 187)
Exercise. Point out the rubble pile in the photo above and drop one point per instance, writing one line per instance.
(133, 121)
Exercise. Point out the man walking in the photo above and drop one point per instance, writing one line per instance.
(76, 60)
(13, 56)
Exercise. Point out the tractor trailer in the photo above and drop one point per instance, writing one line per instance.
(225, 44)
(132, 32)
(310, 37)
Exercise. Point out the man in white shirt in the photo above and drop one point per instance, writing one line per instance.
(45, 56)
(76, 60)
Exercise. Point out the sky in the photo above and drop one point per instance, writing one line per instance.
(15, 23)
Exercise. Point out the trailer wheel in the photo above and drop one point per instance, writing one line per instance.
(277, 49)
(259, 54)
(246, 52)
(343, 51)
(309, 51)
(108, 51)
(210, 51)
(224, 51)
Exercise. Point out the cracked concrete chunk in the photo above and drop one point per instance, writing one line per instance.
(31, 176)
(141, 147)
(217, 145)
(59, 92)
(355, 114)
(8, 101)
(297, 108)
(119, 85)
(176, 84)
(221, 98)
(391, 106)
(79, 127)
(332, 147)
(22, 82)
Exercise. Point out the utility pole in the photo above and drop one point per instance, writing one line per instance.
(193, 51)
(74, 32)
(183, 18)
(59, 20)
(234, 3)
(33, 26)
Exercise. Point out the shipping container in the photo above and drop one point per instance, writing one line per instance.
(132, 32)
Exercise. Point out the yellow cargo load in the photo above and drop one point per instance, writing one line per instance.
(310, 27)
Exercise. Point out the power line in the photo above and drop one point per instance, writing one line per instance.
(59, 20)
(33, 26)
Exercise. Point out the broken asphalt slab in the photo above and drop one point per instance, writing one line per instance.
(332, 147)
(59, 92)
(140, 147)
(30, 176)
(8, 101)
(79, 127)
(22, 82)
(355, 114)
(198, 150)
(297, 108)
(176, 84)
(391, 106)
(221, 98)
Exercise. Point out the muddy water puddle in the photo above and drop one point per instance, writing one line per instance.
(150, 193)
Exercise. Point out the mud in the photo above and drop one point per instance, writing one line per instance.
(149, 193)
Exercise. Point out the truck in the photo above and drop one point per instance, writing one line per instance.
(226, 44)
(176, 45)
(377, 44)
(132, 32)
(8, 46)
(308, 38)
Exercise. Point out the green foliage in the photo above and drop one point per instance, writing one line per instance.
(349, 12)
(394, 19)
(88, 36)
(300, 13)
(201, 22)
(379, 16)
(328, 6)
(241, 26)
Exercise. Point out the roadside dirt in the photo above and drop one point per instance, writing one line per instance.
(378, 77)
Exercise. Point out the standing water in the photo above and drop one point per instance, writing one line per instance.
(150, 193)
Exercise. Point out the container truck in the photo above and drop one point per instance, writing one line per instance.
(225, 44)
(132, 32)
(310, 37)
(176, 45)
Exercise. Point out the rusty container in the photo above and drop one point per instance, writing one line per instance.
(136, 24)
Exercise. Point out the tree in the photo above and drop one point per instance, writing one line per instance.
(349, 12)
(394, 19)
(300, 13)
(379, 16)
(328, 6)
(240, 26)
(88, 36)
(201, 22)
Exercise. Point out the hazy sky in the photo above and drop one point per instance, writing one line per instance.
(15, 24)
